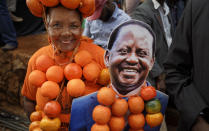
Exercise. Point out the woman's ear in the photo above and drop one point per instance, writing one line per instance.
(106, 58)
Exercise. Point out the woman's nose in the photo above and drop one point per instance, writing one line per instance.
(66, 31)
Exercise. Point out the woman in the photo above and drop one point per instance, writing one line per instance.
(64, 28)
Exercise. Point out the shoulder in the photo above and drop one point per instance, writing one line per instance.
(120, 14)
(161, 95)
(47, 50)
(123, 13)
(146, 5)
(163, 100)
(81, 112)
(144, 10)
(87, 44)
(85, 100)
(91, 22)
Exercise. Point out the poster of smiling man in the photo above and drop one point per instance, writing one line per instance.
(129, 102)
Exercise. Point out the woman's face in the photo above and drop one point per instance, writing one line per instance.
(64, 28)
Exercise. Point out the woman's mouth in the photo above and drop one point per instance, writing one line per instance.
(67, 41)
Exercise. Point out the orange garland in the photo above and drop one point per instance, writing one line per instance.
(111, 113)
(72, 90)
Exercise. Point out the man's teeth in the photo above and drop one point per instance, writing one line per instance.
(130, 70)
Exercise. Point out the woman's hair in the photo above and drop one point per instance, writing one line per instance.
(116, 31)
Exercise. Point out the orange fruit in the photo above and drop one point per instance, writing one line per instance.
(55, 73)
(83, 58)
(35, 7)
(91, 71)
(73, 71)
(35, 13)
(41, 100)
(104, 77)
(136, 121)
(76, 87)
(36, 116)
(153, 106)
(34, 125)
(50, 3)
(37, 129)
(117, 123)
(119, 107)
(136, 129)
(101, 114)
(37, 108)
(50, 89)
(89, 13)
(52, 109)
(87, 6)
(154, 120)
(37, 78)
(43, 62)
(98, 127)
(135, 104)
(148, 93)
(48, 124)
(106, 96)
(71, 4)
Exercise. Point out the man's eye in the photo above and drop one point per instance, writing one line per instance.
(142, 53)
(123, 52)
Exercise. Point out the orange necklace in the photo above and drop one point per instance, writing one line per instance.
(114, 110)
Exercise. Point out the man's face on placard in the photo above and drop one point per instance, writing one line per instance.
(130, 58)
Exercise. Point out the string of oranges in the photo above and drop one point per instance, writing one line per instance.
(111, 113)
(51, 79)
(86, 7)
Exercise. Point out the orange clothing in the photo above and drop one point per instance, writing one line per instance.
(33, 93)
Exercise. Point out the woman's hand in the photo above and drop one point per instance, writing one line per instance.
(29, 106)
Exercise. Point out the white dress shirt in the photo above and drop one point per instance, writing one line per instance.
(164, 11)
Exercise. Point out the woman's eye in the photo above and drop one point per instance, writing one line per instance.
(56, 25)
(74, 26)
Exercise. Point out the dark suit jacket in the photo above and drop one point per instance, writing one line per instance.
(187, 65)
(148, 14)
(81, 112)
